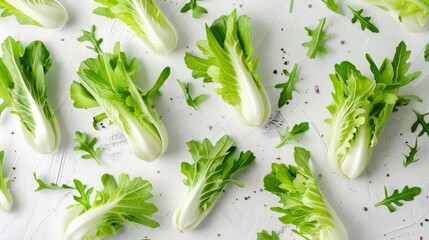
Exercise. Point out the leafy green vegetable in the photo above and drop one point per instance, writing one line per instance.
(106, 81)
(361, 108)
(405, 100)
(145, 19)
(193, 102)
(290, 6)
(411, 155)
(6, 200)
(332, 5)
(118, 203)
(420, 121)
(427, 53)
(264, 235)
(365, 22)
(23, 88)
(412, 14)
(213, 168)
(86, 144)
(291, 136)
(288, 87)
(197, 11)
(228, 61)
(52, 186)
(407, 194)
(303, 204)
(318, 36)
(43, 13)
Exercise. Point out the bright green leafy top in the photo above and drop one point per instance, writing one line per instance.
(288, 87)
(302, 203)
(229, 62)
(365, 22)
(7, 200)
(43, 13)
(411, 155)
(116, 204)
(145, 19)
(213, 168)
(193, 102)
(318, 36)
(407, 194)
(86, 144)
(331, 4)
(264, 235)
(23, 88)
(291, 136)
(52, 186)
(107, 81)
(197, 11)
(420, 121)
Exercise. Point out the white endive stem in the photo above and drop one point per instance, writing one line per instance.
(6, 200)
(338, 232)
(50, 14)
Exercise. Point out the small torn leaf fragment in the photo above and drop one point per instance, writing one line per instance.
(192, 102)
(427, 52)
(318, 36)
(332, 5)
(411, 155)
(288, 87)
(86, 144)
(52, 186)
(407, 194)
(291, 136)
(365, 22)
(197, 11)
(264, 235)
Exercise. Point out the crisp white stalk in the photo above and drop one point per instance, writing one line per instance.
(338, 232)
(162, 39)
(76, 227)
(50, 14)
(188, 215)
(6, 200)
(254, 109)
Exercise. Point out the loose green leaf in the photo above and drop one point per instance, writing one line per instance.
(288, 87)
(7, 200)
(302, 203)
(422, 122)
(107, 81)
(116, 204)
(318, 37)
(332, 5)
(49, 14)
(427, 53)
(146, 20)
(291, 136)
(192, 102)
(86, 144)
(405, 100)
(365, 22)
(197, 11)
(52, 186)
(228, 60)
(290, 6)
(213, 168)
(264, 235)
(407, 194)
(411, 155)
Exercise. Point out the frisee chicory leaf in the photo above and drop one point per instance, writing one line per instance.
(361, 108)
(213, 168)
(86, 144)
(6, 200)
(23, 89)
(147, 21)
(288, 87)
(228, 61)
(107, 81)
(49, 14)
(397, 197)
(365, 22)
(318, 37)
(303, 205)
(291, 136)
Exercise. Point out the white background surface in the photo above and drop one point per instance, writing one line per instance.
(36, 215)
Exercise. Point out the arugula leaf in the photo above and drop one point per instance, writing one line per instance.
(411, 155)
(197, 11)
(365, 22)
(420, 121)
(407, 194)
(116, 204)
(52, 186)
(332, 6)
(264, 235)
(86, 144)
(318, 36)
(5, 196)
(291, 136)
(213, 168)
(192, 102)
(303, 205)
(288, 87)
(427, 53)
(107, 81)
